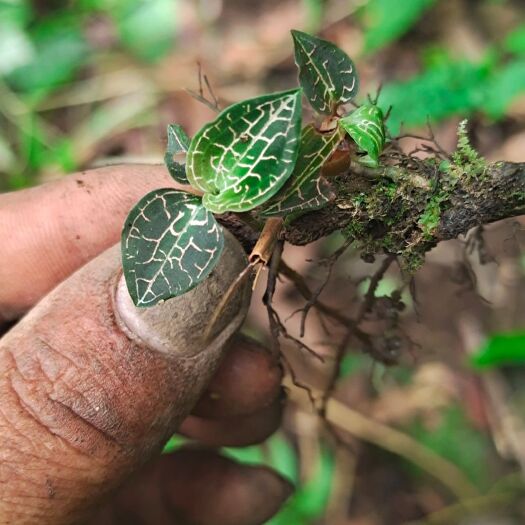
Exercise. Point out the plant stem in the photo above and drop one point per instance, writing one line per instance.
(262, 251)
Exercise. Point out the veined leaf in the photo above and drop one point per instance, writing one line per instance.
(244, 156)
(306, 189)
(326, 73)
(178, 142)
(170, 243)
(365, 126)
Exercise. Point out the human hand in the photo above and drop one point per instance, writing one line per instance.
(91, 387)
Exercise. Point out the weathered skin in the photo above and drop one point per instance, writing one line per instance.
(84, 402)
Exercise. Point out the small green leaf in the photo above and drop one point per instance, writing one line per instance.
(178, 142)
(365, 126)
(170, 243)
(501, 349)
(326, 73)
(244, 156)
(306, 190)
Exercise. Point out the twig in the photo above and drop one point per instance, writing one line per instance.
(263, 250)
(496, 499)
(394, 441)
(314, 297)
(438, 149)
(219, 310)
(372, 287)
(351, 329)
(277, 327)
(213, 104)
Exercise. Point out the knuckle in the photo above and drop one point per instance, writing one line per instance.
(43, 405)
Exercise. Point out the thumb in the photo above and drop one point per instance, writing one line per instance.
(91, 387)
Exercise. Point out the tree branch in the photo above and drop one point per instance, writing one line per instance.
(407, 209)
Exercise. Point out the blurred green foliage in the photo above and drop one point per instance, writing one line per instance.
(515, 41)
(456, 439)
(386, 20)
(311, 496)
(58, 50)
(504, 349)
(147, 28)
(450, 87)
(43, 50)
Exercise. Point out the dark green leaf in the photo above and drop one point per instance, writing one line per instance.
(386, 20)
(178, 142)
(306, 190)
(502, 349)
(170, 243)
(326, 73)
(244, 156)
(365, 126)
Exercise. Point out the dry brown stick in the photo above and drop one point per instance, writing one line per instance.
(263, 250)
(395, 441)
(497, 498)
(277, 327)
(219, 310)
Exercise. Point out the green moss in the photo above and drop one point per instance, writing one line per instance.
(466, 160)
(400, 209)
(430, 218)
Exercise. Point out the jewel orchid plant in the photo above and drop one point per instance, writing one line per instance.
(254, 157)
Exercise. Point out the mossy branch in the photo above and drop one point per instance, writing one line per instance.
(407, 209)
(406, 206)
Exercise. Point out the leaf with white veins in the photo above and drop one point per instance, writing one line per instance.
(306, 190)
(178, 142)
(326, 73)
(245, 156)
(170, 243)
(365, 125)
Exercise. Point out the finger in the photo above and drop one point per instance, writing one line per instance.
(236, 431)
(248, 380)
(49, 231)
(91, 387)
(197, 487)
